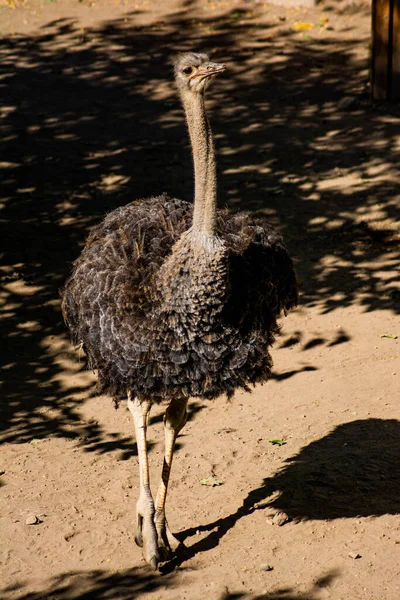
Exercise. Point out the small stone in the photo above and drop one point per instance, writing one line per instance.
(266, 568)
(69, 535)
(354, 555)
(32, 520)
(348, 103)
(280, 518)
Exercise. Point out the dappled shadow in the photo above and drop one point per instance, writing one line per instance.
(90, 585)
(354, 471)
(297, 337)
(132, 583)
(90, 121)
(291, 372)
(288, 593)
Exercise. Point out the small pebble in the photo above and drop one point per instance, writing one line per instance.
(266, 568)
(348, 103)
(354, 555)
(280, 518)
(32, 520)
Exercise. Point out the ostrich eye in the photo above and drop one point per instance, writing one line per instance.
(188, 70)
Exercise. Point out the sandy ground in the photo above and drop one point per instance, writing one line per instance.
(89, 121)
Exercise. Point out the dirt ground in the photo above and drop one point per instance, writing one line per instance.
(90, 120)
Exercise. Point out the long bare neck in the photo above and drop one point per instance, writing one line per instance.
(205, 194)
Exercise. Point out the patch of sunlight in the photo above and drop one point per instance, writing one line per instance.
(106, 153)
(226, 151)
(374, 170)
(67, 136)
(41, 369)
(160, 93)
(244, 169)
(308, 185)
(8, 165)
(69, 361)
(111, 181)
(10, 306)
(8, 366)
(8, 315)
(64, 205)
(65, 222)
(252, 127)
(344, 182)
(318, 220)
(6, 110)
(21, 288)
(335, 223)
(53, 302)
(28, 190)
(9, 138)
(29, 325)
(314, 196)
(331, 261)
(330, 134)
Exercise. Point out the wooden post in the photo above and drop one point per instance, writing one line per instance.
(385, 67)
(396, 51)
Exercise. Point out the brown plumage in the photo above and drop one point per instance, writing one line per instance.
(170, 301)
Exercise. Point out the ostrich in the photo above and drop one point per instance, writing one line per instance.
(171, 300)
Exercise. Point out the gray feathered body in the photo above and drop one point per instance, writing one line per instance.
(164, 316)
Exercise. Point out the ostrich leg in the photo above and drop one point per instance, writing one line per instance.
(174, 420)
(146, 534)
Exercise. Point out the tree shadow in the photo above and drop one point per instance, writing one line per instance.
(286, 593)
(89, 585)
(132, 583)
(296, 337)
(354, 471)
(91, 120)
(288, 374)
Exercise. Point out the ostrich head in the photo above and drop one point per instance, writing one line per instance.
(193, 72)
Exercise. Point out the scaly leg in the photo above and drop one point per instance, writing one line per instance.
(146, 534)
(174, 420)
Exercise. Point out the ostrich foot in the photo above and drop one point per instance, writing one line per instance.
(146, 538)
(167, 542)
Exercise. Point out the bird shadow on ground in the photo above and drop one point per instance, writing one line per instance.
(91, 120)
(354, 471)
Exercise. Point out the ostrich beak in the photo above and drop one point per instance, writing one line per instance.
(209, 69)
